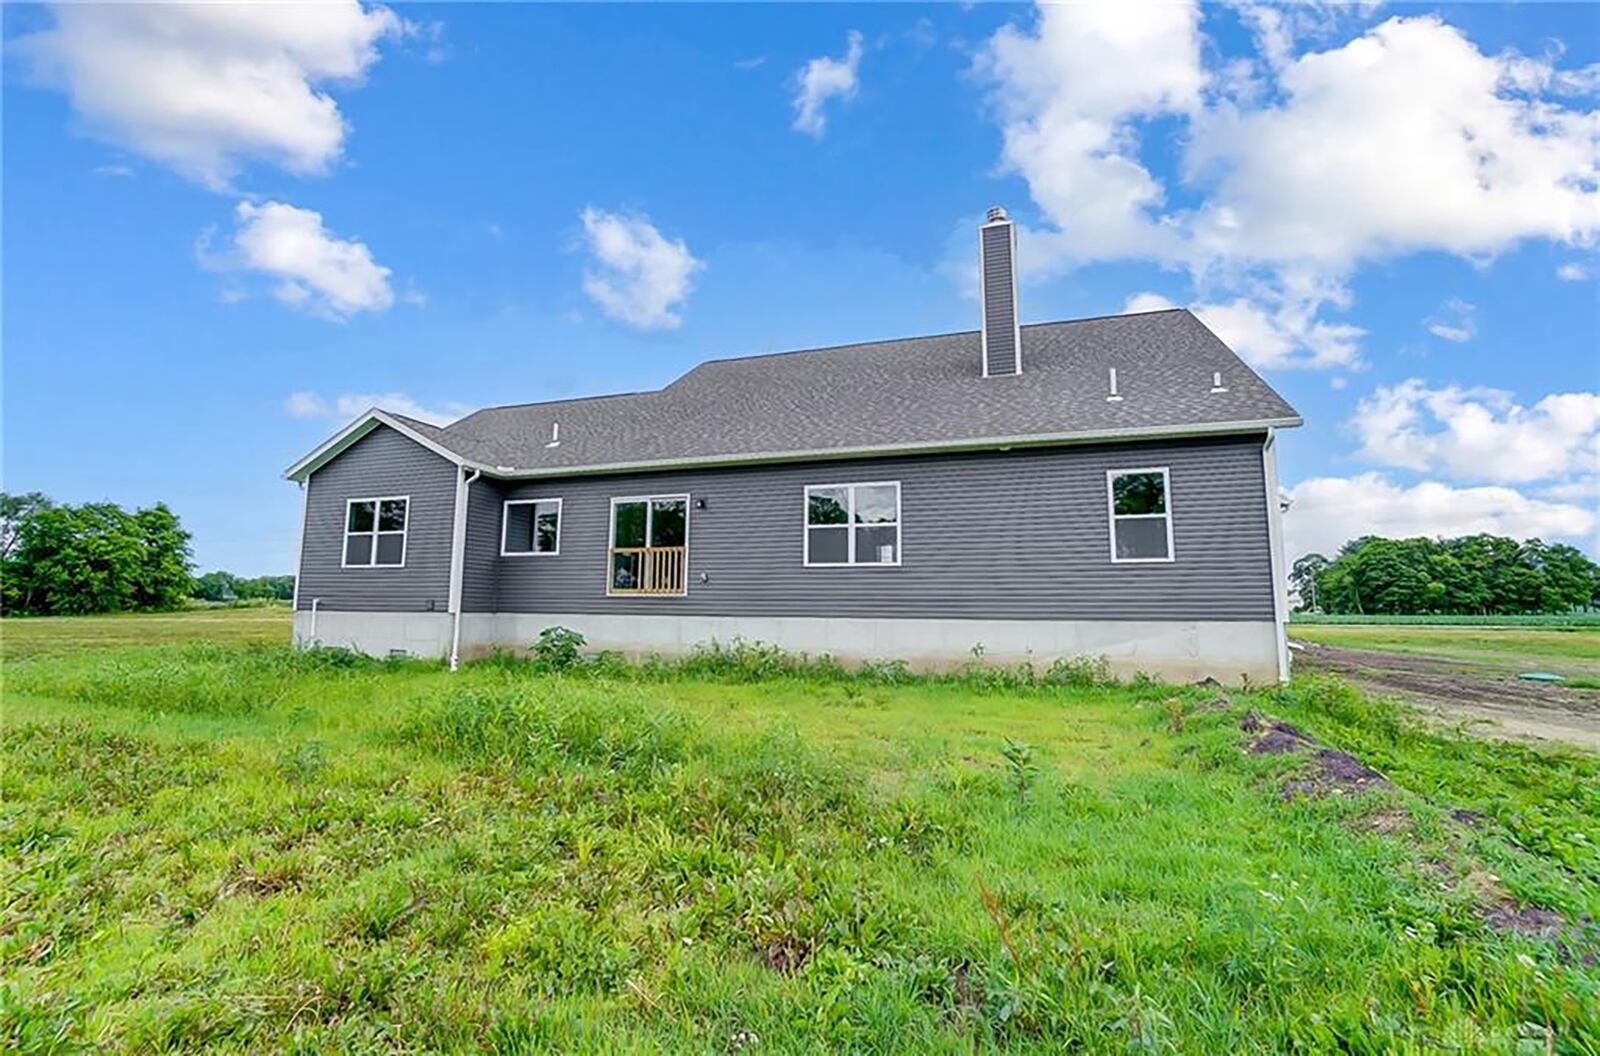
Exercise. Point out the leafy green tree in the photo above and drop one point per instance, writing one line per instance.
(1475, 574)
(96, 557)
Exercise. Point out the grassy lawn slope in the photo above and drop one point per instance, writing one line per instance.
(243, 848)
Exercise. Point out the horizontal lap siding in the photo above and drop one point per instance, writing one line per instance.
(481, 565)
(381, 463)
(997, 535)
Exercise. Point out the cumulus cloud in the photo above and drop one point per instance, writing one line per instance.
(1573, 272)
(1067, 93)
(350, 404)
(1479, 434)
(637, 275)
(310, 268)
(822, 79)
(1454, 321)
(1326, 512)
(1299, 168)
(201, 86)
(1279, 331)
(1408, 138)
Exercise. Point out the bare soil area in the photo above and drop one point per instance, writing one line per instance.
(1484, 698)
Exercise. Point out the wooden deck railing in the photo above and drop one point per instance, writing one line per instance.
(648, 569)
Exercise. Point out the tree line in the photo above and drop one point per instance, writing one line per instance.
(59, 559)
(1486, 575)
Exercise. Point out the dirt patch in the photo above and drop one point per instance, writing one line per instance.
(1331, 772)
(1335, 773)
(1389, 821)
(1278, 737)
(1463, 692)
(787, 956)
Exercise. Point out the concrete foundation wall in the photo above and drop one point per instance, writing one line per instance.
(425, 634)
(1175, 650)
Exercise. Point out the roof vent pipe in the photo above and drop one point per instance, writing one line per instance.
(1114, 397)
(997, 286)
(555, 435)
(1216, 382)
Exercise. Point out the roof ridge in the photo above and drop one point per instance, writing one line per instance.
(800, 352)
(919, 337)
(552, 403)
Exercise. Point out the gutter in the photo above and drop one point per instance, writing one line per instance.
(988, 443)
(1280, 574)
(458, 557)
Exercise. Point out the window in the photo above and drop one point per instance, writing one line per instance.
(530, 526)
(375, 532)
(1141, 514)
(649, 551)
(853, 524)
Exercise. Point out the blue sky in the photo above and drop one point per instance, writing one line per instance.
(226, 229)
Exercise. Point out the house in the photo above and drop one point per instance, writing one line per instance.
(1095, 487)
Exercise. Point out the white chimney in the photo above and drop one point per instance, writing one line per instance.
(997, 283)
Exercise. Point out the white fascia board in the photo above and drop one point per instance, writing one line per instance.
(938, 447)
(359, 427)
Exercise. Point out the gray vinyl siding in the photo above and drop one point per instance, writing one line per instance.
(998, 535)
(381, 463)
(481, 566)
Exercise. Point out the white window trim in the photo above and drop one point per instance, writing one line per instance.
(404, 533)
(851, 526)
(1114, 516)
(611, 540)
(505, 526)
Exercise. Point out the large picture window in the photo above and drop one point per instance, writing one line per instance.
(853, 524)
(530, 526)
(649, 545)
(375, 532)
(1141, 514)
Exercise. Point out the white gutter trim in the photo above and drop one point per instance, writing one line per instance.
(1280, 577)
(359, 427)
(300, 550)
(977, 444)
(458, 559)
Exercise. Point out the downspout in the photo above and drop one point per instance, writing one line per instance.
(300, 559)
(1280, 578)
(458, 557)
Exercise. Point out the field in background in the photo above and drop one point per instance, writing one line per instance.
(1572, 619)
(22, 637)
(241, 847)
(1572, 651)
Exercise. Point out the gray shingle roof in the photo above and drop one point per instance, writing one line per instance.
(887, 395)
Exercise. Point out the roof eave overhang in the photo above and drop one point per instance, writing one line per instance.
(1164, 432)
(359, 427)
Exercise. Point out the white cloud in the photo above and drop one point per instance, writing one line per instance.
(1326, 512)
(1406, 139)
(350, 404)
(201, 86)
(825, 78)
(638, 276)
(1066, 94)
(1274, 330)
(1301, 166)
(1573, 272)
(1479, 434)
(1454, 321)
(312, 269)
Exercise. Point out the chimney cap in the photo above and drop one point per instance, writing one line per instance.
(997, 213)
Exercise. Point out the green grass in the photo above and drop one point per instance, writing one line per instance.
(1570, 619)
(1573, 651)
(236, 847)
(22, 637)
